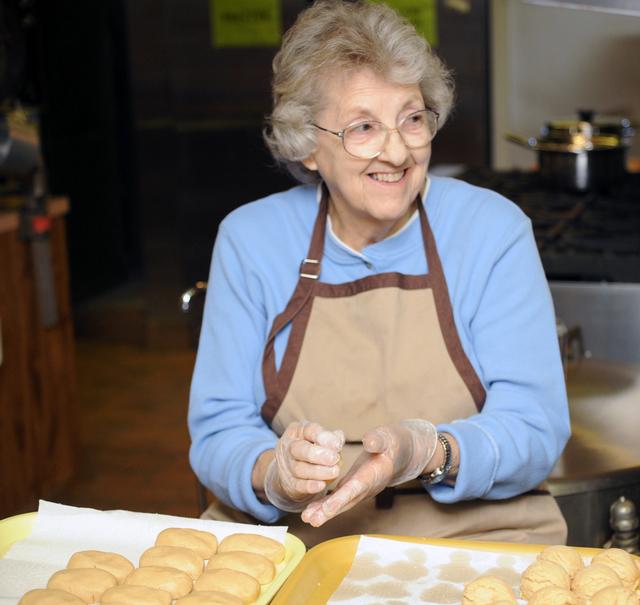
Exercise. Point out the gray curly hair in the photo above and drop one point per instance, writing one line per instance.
(334, 36)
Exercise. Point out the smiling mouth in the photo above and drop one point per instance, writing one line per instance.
(388, 177)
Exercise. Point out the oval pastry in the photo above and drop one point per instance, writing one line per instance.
(622, 563)
(553, 595)
(615, 595)
(211, 597)
(130, 594)
(177, 557)
(567, 557)
(115, 564)
(262, 545)
(49, 596)
(540, 574)
(237, 583)
(250, 563)
(176, 582)
(88, 584)
(203, 542)
(591, 579)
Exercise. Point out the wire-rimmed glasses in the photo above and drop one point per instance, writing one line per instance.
(366, 140)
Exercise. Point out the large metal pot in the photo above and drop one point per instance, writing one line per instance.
(581, 154)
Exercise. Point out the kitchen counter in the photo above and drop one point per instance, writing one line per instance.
(601, 462)
(604, 399)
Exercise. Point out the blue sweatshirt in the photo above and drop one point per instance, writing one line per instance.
(501, 305)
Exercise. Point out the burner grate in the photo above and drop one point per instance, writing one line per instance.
(581, 236)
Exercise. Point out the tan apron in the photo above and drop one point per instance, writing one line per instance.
(375, 351)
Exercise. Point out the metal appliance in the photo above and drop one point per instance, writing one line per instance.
(584, 154)
(589, 243)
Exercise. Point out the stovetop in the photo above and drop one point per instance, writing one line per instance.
(593, 236)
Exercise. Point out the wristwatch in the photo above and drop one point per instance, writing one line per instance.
(440, 473)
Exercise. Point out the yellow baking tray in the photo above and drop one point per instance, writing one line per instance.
(325, 565)
(13, 529)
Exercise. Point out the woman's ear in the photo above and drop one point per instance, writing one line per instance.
(310, 162)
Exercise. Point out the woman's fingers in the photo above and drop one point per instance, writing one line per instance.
(305, 470)
(309, 486)
(308, 458)
(314, 454)
(319, 512)
(377, 440)
(315, 433)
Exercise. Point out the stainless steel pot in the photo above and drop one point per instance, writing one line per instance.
(581, 154)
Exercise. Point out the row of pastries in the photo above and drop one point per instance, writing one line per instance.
(185, 566)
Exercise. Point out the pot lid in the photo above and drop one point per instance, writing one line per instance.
(588, 132)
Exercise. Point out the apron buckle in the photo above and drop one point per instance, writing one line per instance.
(310, 261)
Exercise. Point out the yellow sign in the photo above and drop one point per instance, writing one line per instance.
(242, 23)
(422, 14)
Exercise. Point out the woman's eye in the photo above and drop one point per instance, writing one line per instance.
(363, 128)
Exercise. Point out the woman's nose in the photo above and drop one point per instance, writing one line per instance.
(395, 150)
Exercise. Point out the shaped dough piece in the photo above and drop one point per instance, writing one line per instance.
(615, 595)
(487, 590)
(49, 596)
(622, 563)
(261, 545)
(251, 563)
(112, 562)
(210, 597)
(552, 595)
(185, 559)
(592, 579)
(135, 595)
(568, 558)
(88, 584)
(176, 582)
(237, 583)
(541, 574)
(203, 542)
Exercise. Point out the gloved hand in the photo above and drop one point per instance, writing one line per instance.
(306, 460)
(393, 454)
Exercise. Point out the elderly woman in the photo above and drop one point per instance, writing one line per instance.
(378, 350)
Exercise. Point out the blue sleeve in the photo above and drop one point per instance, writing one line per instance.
(512, 445)
(227, 431)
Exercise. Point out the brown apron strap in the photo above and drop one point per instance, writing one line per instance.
(445, 313)
(309, 275)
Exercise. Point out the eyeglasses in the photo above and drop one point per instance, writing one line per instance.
(366, 140)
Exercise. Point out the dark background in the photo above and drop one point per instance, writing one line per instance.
(154, 135)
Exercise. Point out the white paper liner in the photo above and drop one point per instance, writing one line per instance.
(61, 530)
(390, 571)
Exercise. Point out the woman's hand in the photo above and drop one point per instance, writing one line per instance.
(393, 454)
(306, 460)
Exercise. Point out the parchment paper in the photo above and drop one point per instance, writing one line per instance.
(397, 573)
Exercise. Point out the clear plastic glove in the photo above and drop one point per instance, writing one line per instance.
(307, 458)
(393, 454)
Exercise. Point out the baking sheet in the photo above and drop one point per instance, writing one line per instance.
(326, 566)
(35, 546)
